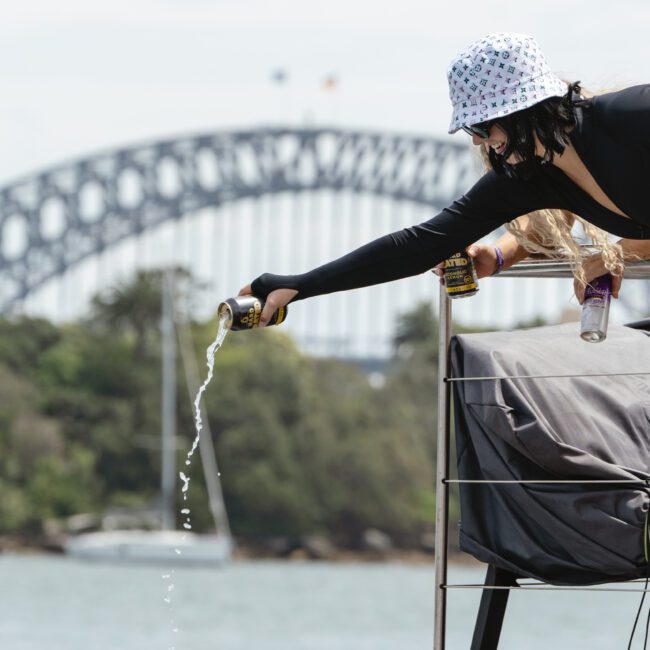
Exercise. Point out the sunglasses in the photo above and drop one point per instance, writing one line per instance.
(482, 129)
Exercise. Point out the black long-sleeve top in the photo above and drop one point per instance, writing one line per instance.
(612, 138)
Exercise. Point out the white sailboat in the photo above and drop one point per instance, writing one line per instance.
(150, 546)
(169, 545)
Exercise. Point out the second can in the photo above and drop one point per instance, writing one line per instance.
(460, 276)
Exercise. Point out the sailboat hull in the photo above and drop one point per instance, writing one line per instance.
(140, 546)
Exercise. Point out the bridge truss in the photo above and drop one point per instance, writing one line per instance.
(51, 221)
(277, 199)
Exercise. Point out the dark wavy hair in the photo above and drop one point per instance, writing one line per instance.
(551, 119)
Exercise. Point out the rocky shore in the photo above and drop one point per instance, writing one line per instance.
(375, 546)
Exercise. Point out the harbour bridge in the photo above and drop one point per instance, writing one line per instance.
(230, 205)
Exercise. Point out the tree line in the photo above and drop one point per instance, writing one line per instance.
(305, 445)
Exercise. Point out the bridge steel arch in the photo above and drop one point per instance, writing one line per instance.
(51, 221)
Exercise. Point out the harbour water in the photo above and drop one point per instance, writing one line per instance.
(56, 603)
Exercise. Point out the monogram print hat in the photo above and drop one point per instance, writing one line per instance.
(497, 75)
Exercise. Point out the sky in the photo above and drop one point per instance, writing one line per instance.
(82, 76)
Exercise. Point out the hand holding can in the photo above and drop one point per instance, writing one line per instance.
(245, 312)
(460, 276)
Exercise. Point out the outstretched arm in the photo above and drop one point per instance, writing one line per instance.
(492, 201)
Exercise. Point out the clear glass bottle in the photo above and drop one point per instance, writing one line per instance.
(595, 309)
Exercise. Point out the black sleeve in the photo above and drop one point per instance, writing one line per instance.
(626, 112)
(492, 201)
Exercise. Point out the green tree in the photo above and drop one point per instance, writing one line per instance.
(304, 445)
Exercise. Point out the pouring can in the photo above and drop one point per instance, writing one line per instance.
(243, 313)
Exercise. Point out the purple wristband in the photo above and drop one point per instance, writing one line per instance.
(499, 254)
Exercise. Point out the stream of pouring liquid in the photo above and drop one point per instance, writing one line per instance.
(198, 422)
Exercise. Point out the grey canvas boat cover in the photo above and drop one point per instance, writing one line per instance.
(562, 428)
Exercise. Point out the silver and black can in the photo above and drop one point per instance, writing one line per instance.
(243, 313)
(595, 309)
(460, 276)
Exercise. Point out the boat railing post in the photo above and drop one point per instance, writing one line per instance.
(442, 471)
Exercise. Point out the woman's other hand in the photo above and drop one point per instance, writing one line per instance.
(484, 257)
(276, 299)
(594, 268)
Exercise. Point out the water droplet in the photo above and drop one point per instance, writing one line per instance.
(185, 511)
(166, 576)
(177, 551)
(186, 482)
(170, 588)
(187, 526)
(167, 600)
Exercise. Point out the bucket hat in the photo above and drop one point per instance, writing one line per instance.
(497, 75)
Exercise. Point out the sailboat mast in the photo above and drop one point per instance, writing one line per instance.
(168, 408)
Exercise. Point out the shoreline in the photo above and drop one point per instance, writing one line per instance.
(244, 553)
(350, 556)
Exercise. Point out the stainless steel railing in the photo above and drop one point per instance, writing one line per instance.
(528, 269)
